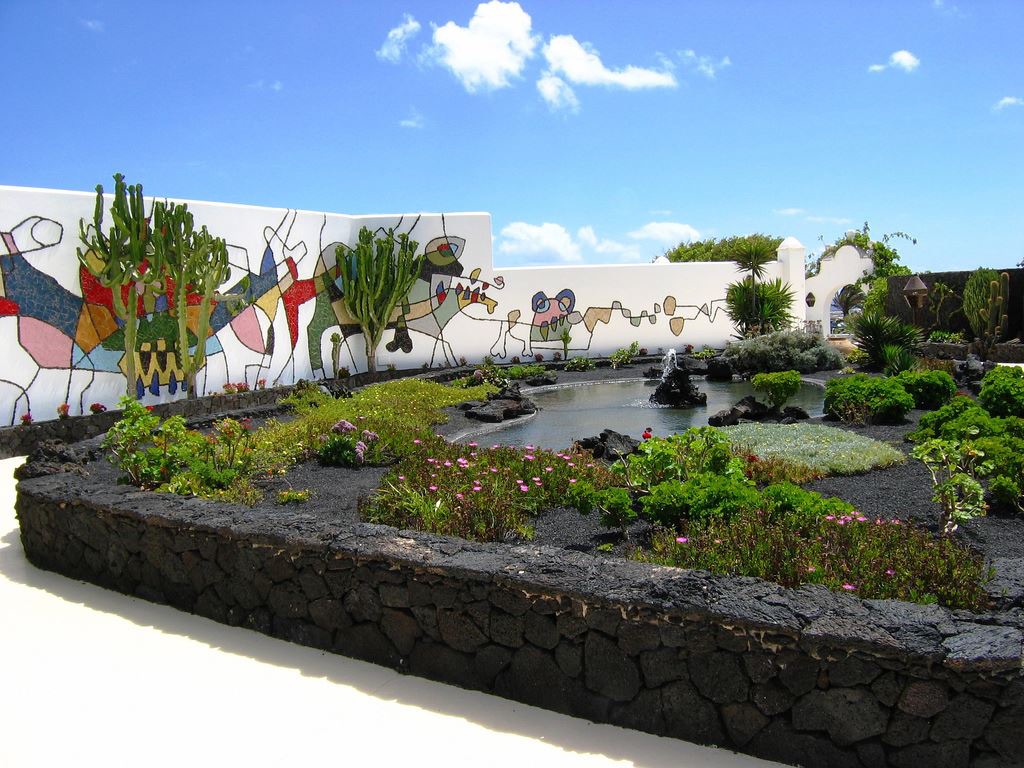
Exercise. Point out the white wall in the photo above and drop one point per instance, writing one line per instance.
(48, 334)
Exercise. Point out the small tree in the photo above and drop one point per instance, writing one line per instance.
(122, 260)
(196, 264)
(375, 278)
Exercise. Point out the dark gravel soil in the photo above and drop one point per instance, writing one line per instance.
(902, 491)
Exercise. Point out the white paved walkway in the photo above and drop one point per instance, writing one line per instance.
(92, 677)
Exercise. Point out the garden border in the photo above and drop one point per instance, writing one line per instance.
(798, 675)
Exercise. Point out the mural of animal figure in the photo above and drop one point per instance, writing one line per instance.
(440, 293)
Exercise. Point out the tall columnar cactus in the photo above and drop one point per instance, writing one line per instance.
(196, 264)
(375, 278)
(994, 316)
(122, 260)
(976, 295)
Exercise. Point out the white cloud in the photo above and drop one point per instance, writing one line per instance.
(264, 85)
(394, 45)
(705, 65)
(1008, 101)
(624, 251)
(414, 120)
(582, 65)
(947, 9)
(550, 242)
(93, 25)
(490, 50)
(901, 59)
(812, 217)
(557, 93)
(667, 232)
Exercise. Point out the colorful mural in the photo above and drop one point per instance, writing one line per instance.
(62, 342)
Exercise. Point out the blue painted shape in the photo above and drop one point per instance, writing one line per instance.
(172, 384)
(100, 359)
(140, 390)
(154, 384)
(161, 305)
(213, 346)
(38, 295)
(268, 259)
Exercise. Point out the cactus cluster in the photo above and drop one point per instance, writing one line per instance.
(993, 315)
(195, 263)
(121, 258)
(376, 277)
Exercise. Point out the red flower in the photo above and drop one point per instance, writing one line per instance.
(149, 408)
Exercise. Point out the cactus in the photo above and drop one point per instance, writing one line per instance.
(196, 263)
(375, 278)
(122, 260)
(976, 296)
(994, 316)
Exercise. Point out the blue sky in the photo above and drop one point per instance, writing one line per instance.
(593, 132)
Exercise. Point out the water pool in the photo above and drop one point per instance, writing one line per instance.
(571, 412)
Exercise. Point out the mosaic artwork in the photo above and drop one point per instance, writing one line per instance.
(63, 343)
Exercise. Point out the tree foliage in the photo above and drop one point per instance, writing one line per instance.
(724, 249)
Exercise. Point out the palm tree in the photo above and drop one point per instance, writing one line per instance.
(751, 257)
(848, 298)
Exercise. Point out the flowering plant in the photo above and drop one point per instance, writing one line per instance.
(97, 408)
(26, 418)
(62, 410)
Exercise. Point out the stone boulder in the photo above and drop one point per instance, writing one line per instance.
(508, 403)
(51, 457)
(719, 369)
(678, 391)
(752, 409)
(609, 445)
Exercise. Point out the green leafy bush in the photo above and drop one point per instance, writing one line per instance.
(930, 389)
(940, 336)
(705, 353)
(679, 457)
(873, 331)
(863, 398)
(786, 502)
(724, 249)
(823, 450)
(516, 372)
(624, 356)
(784, 351)
(955, 467)
(756, 308)
(858, 357)
(1002, 391)
(777, 387)
(580, 364)
(702, 497)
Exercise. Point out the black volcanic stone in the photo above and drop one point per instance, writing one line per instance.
(719, 676)
(950, 754)
(506, 630)
(541, 630)
(401, 629)
(690, 716)
(772, 698)
(1005, 734)
(459, 632)
(743, 722)
(644, 713)
(964, 718)
(848, 714)
(905, 730)
(923, 698)
(608, 670)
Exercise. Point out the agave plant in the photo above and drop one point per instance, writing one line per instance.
(873, 331)
(896, 359)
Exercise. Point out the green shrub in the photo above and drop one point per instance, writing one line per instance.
(792, 504)
(822, 450)
(615, 506)
(580, 364)
(679, 457)
(1002, 391)
(706, 353)
(863, 398)
(858, 357)
(756, 308)
(516, 372)
(873, 331)
(936, 364)
(930, 389)
(897, 359)
(624, 356)
(784, 351)
(940, 336)
(777, 387)
(703, 497)
(956, 420)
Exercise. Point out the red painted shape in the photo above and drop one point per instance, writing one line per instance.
(8, 307)
(298, 293)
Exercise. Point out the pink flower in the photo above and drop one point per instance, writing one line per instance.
(529, 457)
(458, 495)
(890, 572)
(524, 488)
(849, 587)
(811, 569)
(447, 463)
(830, 517)
(535, 479)
(433, 487)
(401, 477)
(549, 469)
(417, 441)
(473, 445)
(681, 539)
